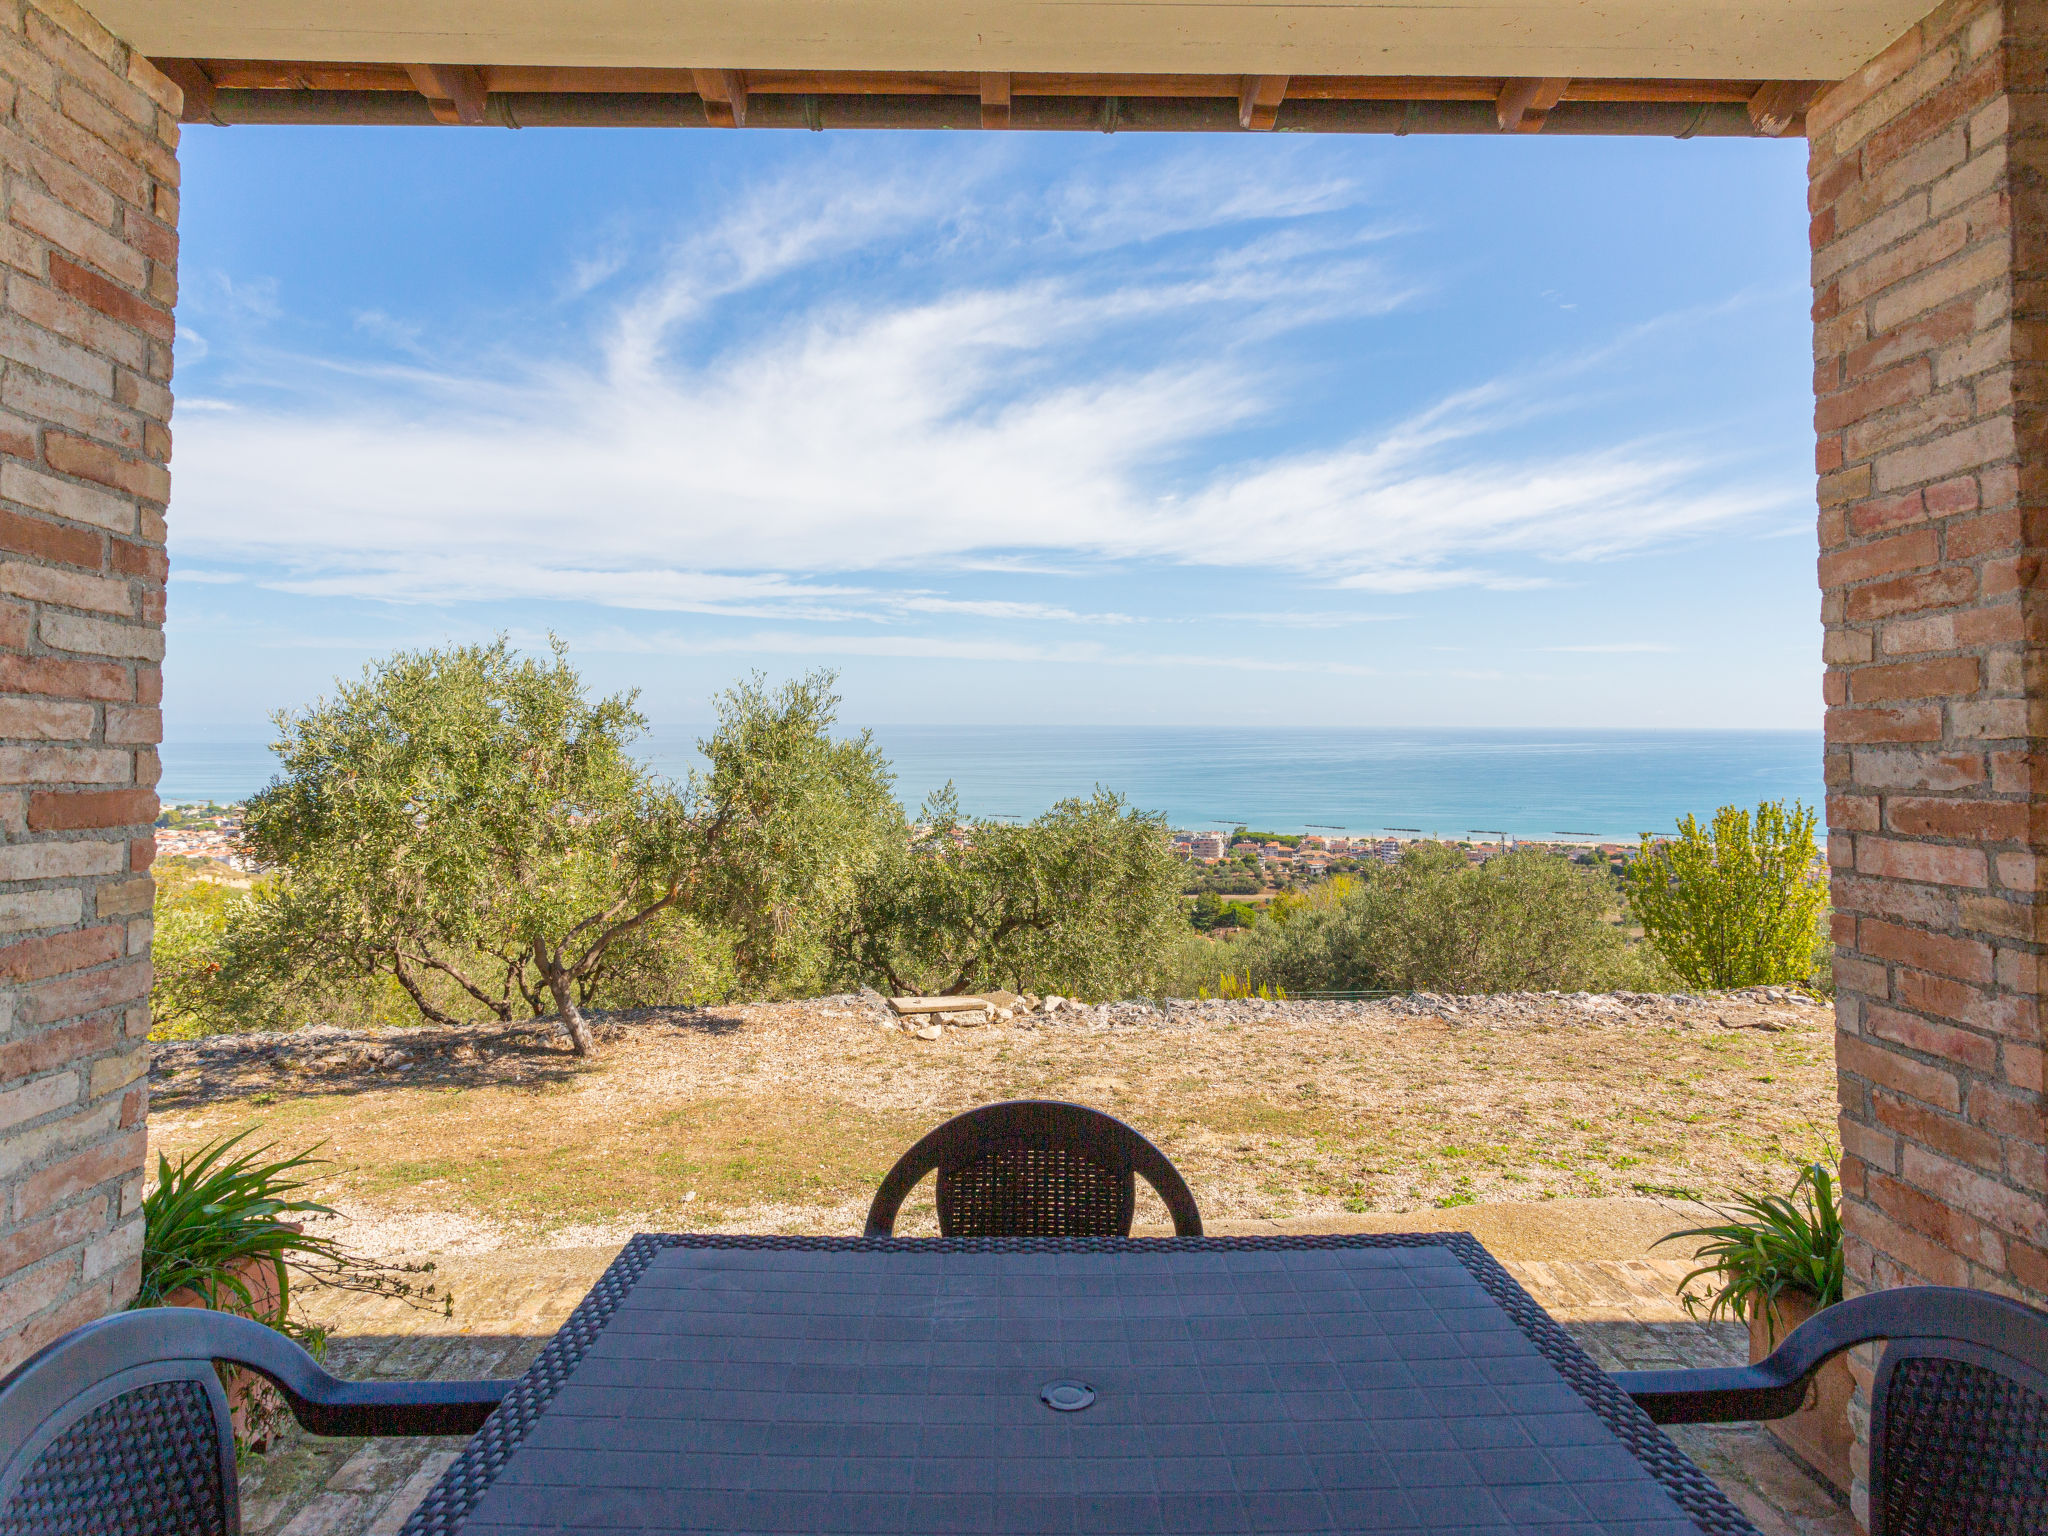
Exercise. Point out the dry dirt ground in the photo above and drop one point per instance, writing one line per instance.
(784, 1117)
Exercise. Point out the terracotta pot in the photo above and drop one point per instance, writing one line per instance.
(258, 1275)
(1818, 1435)
(252, 1401)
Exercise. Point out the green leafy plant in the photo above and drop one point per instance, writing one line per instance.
(218, 1218)
(1767, 1245)
(1735, 904)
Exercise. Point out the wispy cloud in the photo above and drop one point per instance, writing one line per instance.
(705, 454)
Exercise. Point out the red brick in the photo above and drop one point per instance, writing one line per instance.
(1924, 1261)
(147, 561)
(1878, 768)
(1944, 1041)
(56, 542)
(1943, 588)
(1947, 677)
(1952, 497)
(1880, 557)
(1955, 1231)
(59, 954)
(1926, 333)
(2005, 1113)
(64, 679)
(2029, 1264)
(89, 991)
(117, 1158)
(141, 854)
(88, 460)
(61, 1229)
(1982, 535)
(91, 810)
(1941, 996)
(114, 302)
(1917, 722)
(1887, 1068)
(1964, 959)
(1990, 1201)
(1887, 512)
(90, 1304)
(1932, 114)
(1909, 381)
(1934, 863)
(1989, 821)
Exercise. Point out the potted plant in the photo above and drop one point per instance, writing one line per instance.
(1774, 1261)
(217, 1232)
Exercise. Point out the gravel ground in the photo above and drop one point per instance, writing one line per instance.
(783, 1116)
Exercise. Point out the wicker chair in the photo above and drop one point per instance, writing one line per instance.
(1958, 1409)
(1035, 1168)
(120, 1428)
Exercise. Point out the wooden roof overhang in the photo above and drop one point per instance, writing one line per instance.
(524, 95)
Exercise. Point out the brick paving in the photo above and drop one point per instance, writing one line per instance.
(507, 1306)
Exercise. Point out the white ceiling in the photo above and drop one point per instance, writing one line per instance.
(1680, 39)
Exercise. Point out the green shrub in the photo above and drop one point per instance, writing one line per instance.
(1767, 1245)
(212, 1217)
(1737, 904)
(1435, 923)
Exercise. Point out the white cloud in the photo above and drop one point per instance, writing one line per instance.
(778, 468)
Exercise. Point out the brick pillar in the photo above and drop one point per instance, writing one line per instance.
(1930, 251)
(88, 254)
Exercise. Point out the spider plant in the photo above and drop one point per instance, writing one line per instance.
(1767, 1245)
(216, 1214)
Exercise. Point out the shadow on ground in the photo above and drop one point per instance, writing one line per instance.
(325, 1060)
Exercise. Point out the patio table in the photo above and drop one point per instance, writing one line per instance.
(1386, 1383)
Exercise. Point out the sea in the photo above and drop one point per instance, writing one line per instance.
(1544, 785)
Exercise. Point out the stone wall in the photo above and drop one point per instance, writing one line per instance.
(88, 255)
(1928, 242)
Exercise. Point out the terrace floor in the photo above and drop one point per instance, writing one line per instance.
(1622, 1309)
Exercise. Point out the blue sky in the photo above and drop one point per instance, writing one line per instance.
(1062, 429)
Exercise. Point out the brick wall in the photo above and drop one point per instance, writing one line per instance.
(1930, 324)
(88, 252)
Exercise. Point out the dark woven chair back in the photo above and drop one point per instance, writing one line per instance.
(1022, 1188)
(1035, 1168)
(1959, 1444)
(1958, 1407)
(121, 1428)
(149, 1453)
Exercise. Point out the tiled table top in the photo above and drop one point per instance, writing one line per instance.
(1240, 1385)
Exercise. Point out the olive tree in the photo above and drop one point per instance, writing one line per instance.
(1737, 903)
(1083, 900)
(467, 818)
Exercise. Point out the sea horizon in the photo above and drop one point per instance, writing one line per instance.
(1567, 783)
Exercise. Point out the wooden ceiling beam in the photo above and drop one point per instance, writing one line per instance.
(1068, 85)
(1779, 106)
(458, 93)
(1258, 101)
(725, 96)
(455, 92)
(995, 100)
(1524, 103)
(197, 85)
